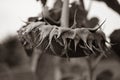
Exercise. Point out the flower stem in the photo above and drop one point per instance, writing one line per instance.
(65, 14)
(34, 61)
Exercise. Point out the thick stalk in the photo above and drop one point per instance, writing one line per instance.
(96, 62)
(92, 66)
(65, 14)
(90, 70)
(34, 60)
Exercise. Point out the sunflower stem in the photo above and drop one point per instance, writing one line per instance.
(34, 60)
(65, 14)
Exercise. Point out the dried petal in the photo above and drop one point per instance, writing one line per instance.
(53, 33)
(44, 32)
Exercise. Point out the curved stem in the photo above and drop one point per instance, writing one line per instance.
(65, 14)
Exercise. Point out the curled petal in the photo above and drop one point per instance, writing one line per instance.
(53, 33)
(96, 28)
(33, 25)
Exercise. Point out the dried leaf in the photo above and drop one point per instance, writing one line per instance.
(92, 22)
(58, 5)
(80, 15)
(55, 12)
